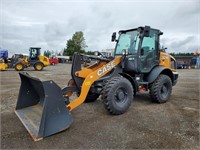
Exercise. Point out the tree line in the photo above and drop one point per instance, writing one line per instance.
(182, 54)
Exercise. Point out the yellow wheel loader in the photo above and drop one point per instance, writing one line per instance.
(35, 59)
(138, 64)
(19, 61)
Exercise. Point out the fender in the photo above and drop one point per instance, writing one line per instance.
(155, 72)
(133, 82)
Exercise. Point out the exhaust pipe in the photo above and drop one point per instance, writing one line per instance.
(41, 107)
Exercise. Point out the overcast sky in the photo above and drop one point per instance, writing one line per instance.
(50, 23)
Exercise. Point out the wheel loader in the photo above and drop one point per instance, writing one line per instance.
(19, 61)
(35, 59)
(139, 63)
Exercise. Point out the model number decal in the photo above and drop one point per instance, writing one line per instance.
(106, 68)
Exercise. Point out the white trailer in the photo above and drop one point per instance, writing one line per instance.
(63, 59)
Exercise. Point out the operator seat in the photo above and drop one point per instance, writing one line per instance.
(146, 57)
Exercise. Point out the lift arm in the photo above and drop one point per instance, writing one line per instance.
(90, 79)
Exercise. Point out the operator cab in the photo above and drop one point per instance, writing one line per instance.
(34, 53)
(141, 46)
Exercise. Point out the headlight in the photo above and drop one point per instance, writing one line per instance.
(124, 52)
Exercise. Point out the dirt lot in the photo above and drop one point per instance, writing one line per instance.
(173, 125)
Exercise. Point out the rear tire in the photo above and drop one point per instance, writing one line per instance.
(117, 95)
(19, 66)
(38, 66)
(160, 90)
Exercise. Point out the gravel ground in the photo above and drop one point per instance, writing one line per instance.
(146, 125)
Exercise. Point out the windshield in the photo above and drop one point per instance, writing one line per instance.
(128, 41)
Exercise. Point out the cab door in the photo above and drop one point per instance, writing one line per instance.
(149, 55)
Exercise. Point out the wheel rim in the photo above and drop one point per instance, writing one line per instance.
(39, 67)
(19, 66)
(164, 90)
(120, 96)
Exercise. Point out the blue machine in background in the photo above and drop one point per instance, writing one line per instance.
(3, 59)
(3, 54)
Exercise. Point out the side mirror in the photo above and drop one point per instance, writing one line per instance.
(113, 37)
(160, 33)
(147, 31)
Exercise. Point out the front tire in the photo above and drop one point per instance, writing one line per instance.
(117, 95)
(19, 66)
(38, 66)
(161, 89)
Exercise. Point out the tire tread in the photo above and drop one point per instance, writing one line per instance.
(107, 91)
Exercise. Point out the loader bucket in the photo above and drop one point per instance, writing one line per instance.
(41, 107)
